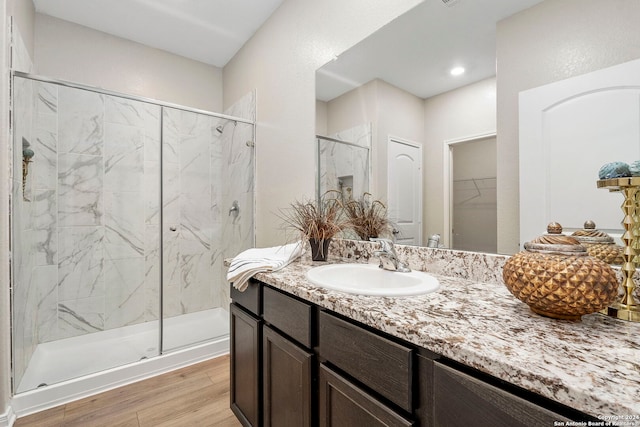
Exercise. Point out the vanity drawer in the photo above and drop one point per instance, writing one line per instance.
(462, 400)
(379, 363)
(289, 315)
(250, 298)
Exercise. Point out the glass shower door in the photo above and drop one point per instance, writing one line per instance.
(85, 232)
(207, 212)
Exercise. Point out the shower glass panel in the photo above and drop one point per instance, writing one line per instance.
(85, 232)
(207, 216)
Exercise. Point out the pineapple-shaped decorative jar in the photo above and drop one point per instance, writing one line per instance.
(599, 244)
(557, 278)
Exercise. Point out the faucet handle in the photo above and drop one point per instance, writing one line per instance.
(388, 256)
(385, 244)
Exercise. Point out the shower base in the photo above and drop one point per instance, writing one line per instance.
(69, 369)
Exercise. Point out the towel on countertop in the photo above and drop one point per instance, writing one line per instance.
(256, 260)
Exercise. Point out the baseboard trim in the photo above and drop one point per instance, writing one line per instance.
(8, 418)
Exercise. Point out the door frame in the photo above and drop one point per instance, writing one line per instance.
(447, 179)
(391, 139)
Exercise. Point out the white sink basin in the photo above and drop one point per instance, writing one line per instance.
(369, 279)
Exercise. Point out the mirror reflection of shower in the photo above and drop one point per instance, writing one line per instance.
(342, 166)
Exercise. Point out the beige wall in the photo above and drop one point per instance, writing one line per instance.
(24, 15)
(551, 41)
(68, 51)
(462, 113)
(280, 62)
(356, 107)
(321, 118)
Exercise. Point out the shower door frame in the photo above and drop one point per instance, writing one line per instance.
(162, 105)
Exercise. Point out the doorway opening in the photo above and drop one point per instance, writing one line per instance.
(471, 201)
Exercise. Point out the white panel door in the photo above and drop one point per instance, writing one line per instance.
(404, 189)
(568, 130)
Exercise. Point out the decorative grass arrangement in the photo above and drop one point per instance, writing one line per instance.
(317, 221)
(368, 218)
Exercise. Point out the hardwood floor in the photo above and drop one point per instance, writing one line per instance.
(197, 396)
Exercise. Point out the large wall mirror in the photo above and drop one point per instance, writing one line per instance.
(394, 81)
(406, 82)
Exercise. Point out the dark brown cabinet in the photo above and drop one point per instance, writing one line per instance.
(287, 381)
(272, 363)
(378, 363)
(246, 340)
(424, 402)
(295, 364)
(462, 400)
(343, 404)
(290, 316)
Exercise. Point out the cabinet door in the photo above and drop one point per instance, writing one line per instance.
(245, 366)
(461, 401)
(287, 381)
(342, 404)
(424, 408)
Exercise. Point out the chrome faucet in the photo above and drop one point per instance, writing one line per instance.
(389, 257)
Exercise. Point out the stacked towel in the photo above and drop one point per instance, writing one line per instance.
(257, 260)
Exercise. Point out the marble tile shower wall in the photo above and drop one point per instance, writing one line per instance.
(25, 314)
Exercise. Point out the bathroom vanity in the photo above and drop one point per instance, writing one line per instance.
(468, 354)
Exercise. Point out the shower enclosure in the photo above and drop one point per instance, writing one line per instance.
(342, 166)
(123, 210)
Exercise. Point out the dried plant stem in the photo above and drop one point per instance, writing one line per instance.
(316, 220)
(368, 218)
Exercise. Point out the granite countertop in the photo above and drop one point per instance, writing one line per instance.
(592, 365)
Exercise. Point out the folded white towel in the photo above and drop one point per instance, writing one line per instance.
(257, 260)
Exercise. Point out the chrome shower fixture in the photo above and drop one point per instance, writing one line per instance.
(220, 128)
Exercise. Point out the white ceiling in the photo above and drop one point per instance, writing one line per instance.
(416, 51)
(210, 31)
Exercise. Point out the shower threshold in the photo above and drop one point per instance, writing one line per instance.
(62, 360)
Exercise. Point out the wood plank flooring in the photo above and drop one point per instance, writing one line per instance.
(197, 396)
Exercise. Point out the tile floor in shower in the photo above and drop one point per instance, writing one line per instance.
(62, 360)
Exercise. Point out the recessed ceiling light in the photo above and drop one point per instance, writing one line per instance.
(456, 71)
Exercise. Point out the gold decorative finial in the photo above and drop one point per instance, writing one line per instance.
(554, 228)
